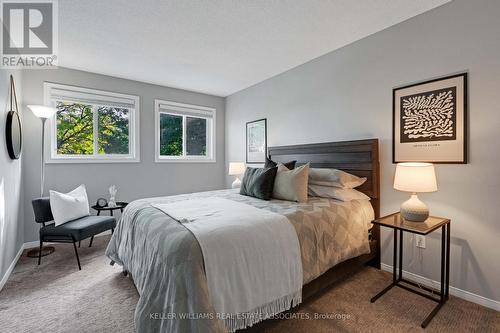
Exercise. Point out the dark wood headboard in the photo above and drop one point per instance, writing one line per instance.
(359, 157)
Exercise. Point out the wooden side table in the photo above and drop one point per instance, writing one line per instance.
(397, 223)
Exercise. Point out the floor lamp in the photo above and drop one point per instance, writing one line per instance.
(43, 112)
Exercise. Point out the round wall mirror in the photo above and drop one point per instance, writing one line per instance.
(14, 135)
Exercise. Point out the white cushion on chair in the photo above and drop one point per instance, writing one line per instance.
(69, 206)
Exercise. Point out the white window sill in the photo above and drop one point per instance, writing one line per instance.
(90, 160)
(184, 160)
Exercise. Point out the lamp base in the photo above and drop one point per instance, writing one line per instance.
(46, 250)
(236, 183)
(414, 210)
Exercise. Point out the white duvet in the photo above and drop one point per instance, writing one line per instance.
(252, 257)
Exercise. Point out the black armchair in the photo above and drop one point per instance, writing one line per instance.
(69, 232)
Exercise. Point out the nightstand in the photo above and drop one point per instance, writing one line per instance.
(397, 223)
(119, 205)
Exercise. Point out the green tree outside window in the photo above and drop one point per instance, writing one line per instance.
(172, 136)
(113, 129)
(75, 129)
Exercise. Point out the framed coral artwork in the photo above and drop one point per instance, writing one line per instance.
(430, 121)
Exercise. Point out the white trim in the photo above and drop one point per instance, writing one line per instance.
(28, 245)
(134, 155)
(184, 106)
(463, 294)
(181, 159)
(31, 245)
(11, 267)
(95, 134)
(82, 160)
(208, 113)
(83, 93)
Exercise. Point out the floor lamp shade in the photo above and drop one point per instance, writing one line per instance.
(43, 112)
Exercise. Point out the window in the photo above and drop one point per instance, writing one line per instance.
(92, 125)
(184, 133)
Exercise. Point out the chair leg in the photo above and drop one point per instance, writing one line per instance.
(40, 252)
(91, 240)
(79, 243)
(76, 252)
(112, 230)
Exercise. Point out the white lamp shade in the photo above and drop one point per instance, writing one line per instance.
(415, 177)
(42, 111)
(236, 168)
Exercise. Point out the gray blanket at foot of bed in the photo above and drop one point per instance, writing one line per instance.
(166, 263)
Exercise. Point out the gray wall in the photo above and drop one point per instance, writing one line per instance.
(134, 180)
(11, 185)
(346, 94)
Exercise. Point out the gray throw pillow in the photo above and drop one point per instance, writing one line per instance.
(258, 183)
(270, 163)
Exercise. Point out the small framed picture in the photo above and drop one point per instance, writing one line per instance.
(256, 141)
(430, 121)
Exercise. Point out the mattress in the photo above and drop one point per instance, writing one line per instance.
(166, 262)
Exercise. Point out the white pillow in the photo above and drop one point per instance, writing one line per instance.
(69, 206)
(342, 194)
(291, 185)
(334, 177)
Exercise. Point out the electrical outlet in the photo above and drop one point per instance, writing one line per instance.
(420, 241)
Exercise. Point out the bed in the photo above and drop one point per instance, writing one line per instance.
(166, 261)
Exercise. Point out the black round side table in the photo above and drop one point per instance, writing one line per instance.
(119, 205)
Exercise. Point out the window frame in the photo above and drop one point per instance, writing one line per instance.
(196, 111)
(134, 128)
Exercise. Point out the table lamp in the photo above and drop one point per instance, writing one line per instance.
(236, 169)
(415, 178)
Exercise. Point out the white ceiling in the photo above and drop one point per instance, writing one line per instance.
(216, 46)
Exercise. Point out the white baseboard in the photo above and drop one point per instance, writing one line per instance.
(466, 295)
(29, 245)
(11, 268)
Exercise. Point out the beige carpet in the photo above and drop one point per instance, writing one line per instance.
(56, 297)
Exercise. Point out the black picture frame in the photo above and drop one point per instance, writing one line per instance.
(463, 132)
(261, 155)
